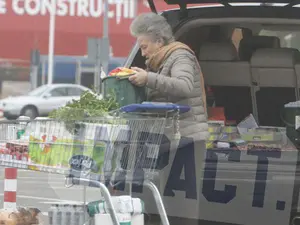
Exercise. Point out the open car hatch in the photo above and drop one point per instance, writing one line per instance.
(184, 3)
(178, 2)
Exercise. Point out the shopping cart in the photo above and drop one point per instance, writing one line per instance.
(96, 151)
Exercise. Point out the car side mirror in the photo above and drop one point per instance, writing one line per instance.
(47, 95)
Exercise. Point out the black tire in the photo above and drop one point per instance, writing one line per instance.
(11, 117)
(30, 111)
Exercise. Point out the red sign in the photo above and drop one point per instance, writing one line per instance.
(24, 25)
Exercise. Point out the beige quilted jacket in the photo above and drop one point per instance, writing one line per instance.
(178, 81)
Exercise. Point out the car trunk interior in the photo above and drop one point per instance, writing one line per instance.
(250, 66)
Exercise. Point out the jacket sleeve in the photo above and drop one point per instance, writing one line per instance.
(181, 80)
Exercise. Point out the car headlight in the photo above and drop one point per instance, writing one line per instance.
(8, 105)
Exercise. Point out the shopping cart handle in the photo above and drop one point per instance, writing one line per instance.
(149, 106)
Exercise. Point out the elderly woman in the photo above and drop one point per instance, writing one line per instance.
(173, 73)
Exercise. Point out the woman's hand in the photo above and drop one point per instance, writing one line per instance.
(140, 78)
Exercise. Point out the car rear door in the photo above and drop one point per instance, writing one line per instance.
(184, 3)
(56, 98)
(74, 93)
(239, 186)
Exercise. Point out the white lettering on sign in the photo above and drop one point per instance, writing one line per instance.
(32, 7)
(62, 9)
(79, 8)
(46, 6)
(2, 6)
(16, 8)
(96, 9)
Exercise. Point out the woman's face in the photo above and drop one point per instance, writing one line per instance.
(148, 47)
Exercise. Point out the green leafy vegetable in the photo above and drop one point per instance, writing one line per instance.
(90, 105)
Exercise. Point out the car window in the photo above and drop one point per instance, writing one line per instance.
(288, 39)
(39, 91)
(73, 91)
(59, 92)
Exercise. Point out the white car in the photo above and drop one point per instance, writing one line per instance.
(41, 101)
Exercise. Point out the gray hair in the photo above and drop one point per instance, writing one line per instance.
(152, 25)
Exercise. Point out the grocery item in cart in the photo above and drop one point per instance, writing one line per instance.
(122, 204)
(59, 152)
(17, 146)
(14, 154)
(54, 146)
(124, 219)
(68, 214)
(19, 216)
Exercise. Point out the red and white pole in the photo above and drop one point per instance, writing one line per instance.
(10, 188)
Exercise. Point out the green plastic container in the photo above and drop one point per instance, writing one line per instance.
(126, 93)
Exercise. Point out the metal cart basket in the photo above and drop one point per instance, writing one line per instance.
(94, 151)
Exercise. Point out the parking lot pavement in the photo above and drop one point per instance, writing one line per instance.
(39, 190)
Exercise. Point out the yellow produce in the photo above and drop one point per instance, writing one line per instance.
(121, 71)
